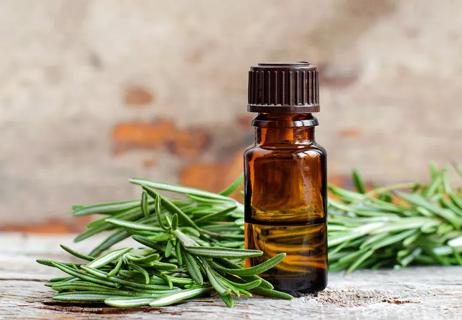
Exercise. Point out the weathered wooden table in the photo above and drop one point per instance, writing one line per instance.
(414, 293)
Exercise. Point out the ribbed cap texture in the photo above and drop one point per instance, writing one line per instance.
(283, 87)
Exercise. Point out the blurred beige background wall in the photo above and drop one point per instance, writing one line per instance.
(95, 92)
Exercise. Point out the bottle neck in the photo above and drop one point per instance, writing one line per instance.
(284, 128)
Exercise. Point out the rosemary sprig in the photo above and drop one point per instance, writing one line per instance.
(387, 227)
(190, 249)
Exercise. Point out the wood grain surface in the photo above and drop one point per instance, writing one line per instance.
(414, 293)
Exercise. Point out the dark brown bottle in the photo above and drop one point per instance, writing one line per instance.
(285, 177)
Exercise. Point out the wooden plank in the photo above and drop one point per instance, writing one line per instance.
(414, 293)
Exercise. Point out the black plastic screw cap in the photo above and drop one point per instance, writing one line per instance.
(283, 87)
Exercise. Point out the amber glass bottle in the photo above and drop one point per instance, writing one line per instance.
(285, 177)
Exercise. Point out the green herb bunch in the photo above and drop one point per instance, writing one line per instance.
(387, 227)
(187, 248)
(193, 246)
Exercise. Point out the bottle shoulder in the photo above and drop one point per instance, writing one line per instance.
(320, 148)
(311, 150)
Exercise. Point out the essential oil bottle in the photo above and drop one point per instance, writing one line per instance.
(285, 177)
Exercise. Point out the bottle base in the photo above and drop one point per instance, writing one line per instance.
(304, 269)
